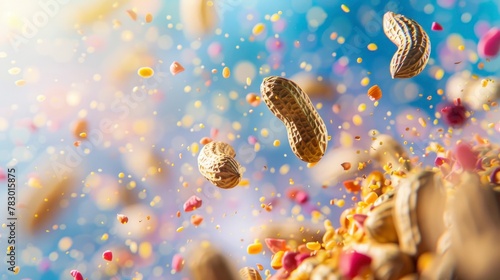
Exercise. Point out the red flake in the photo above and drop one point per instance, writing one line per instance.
(107, 255)
(436, 27)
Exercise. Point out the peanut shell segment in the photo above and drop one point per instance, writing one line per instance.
(217, 164)
(414, 46)
(250, 273)
(306, 129)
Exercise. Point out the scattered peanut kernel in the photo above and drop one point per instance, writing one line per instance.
(196, 220)
(258, 29)
(340, 203)
(145, 72)
(372, 47)
(276, 261)
(226, 72)
(371, 197)
(314, 246)
(254, 248)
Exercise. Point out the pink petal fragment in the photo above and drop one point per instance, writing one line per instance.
(489, 44)
(176, 68)
(299, 258)
(275, 245)
(301, 197)
(289, 262)
(440, 161)
(351, 264)
(177, 262)
(76, 274)
(465, 156)
(192, 203)
(436, 27)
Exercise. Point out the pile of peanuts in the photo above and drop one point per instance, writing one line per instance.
(404, 231)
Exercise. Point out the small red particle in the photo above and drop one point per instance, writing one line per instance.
(177, 262)
(76, 274)
(436, 27)
(192, 203)
(291, 192)
(301, 197)
(288, 261)
(122, 218)
(352, 186)
(454, 115)
(346, 165)
(107, 255)
(351, 264)
(440, 161)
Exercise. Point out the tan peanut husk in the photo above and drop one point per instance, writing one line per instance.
(419, 212)
(414, 46)
(249, 273)
(306, 129)
(217, 164)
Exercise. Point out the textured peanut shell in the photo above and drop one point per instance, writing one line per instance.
(306, 129)
(250, 273)
(217, 164)
(414, 46)
(419, 213)
(379, 225)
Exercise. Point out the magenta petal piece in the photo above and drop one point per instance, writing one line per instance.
(489, 44)
(436, 27)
